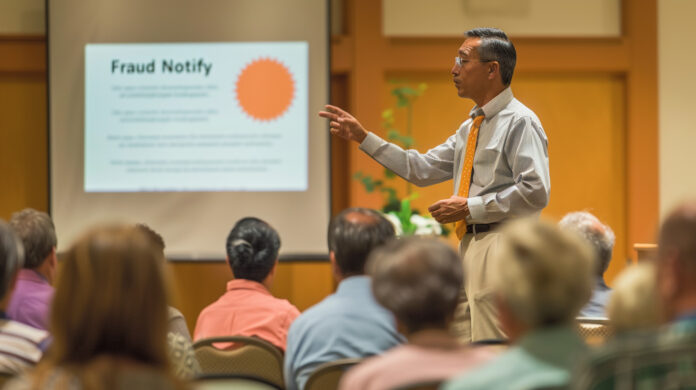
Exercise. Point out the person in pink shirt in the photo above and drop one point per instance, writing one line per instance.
(33, 294)
(418, 280)
(247, 308)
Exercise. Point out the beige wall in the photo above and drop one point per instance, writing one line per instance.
(22, 17)
(677, 108)
(537, 18)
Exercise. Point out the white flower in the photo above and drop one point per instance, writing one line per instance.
(425, 225)
(396, 222)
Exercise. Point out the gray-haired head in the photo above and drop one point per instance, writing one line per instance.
(496, 46)
(38, 235)
(597, 234)
(11, 257)
(418, 279)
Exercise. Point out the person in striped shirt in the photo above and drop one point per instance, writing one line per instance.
(21, 346)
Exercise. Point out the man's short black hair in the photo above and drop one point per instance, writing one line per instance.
(252, 248)
(496, 46)
(353, 234)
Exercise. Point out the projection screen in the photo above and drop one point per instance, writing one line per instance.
(189, 115)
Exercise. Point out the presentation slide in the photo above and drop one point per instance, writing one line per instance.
(188, 116)
(196, 117)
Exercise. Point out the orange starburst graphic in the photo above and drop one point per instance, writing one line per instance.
(265, 89)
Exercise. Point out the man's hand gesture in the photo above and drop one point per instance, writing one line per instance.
(449, 210)
(343, 124)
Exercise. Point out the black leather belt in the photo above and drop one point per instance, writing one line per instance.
(481, 227)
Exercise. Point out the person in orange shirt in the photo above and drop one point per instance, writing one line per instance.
(247, 308)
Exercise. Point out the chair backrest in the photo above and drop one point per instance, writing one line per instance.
(248, 356)
(429, 385)
(232, 381)
(4, 378)
(327, 375)
(593, 330)
(650, 365)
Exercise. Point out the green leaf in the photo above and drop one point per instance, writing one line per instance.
(389, 174)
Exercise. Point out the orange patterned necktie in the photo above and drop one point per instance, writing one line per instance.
(465, 178)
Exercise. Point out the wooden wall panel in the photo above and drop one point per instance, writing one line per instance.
(23, 145)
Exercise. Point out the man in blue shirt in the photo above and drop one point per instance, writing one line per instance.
(348, 323)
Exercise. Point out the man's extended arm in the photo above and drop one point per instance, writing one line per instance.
(420, 169)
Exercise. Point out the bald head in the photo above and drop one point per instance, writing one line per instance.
(353, 234)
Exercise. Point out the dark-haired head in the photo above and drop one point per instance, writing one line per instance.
(496, 46)
(419, 280)
(353, 234)
(252, 249)
(11, 257)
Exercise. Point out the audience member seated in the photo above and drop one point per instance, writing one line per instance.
(109, 317)
(664, 359)
(348, 323)
(544, 277)
(601, 238)
(20, 345)
(181, 353)
(33, 293)
(247, 308)
(633, 305)
(419, 281)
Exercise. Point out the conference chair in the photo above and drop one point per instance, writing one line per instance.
(249, 356)
(593, 330)
(4, 377)
(652, 366)
(327, 375)
(232, 381)
(429, 385)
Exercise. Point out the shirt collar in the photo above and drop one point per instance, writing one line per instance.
(493, 107)
(245, 284)
(354, 284)
(31, 275)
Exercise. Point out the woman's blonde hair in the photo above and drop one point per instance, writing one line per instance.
(110, 300)
(633, 304)
(544, 273)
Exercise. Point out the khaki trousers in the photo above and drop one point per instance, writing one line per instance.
(476, 317)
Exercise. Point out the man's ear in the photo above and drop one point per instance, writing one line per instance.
(334, 266)
(54, 257)
(493, 69)
(668, 276)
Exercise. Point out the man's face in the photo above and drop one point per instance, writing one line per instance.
(470, 77)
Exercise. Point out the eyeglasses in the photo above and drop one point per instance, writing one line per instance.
(459, 61)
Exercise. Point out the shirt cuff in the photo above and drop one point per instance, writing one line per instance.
(477, 211)
(371, 143)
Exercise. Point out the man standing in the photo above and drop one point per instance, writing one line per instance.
(33, 293)
(498, 159)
